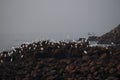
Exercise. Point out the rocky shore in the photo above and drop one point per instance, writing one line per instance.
(45, 60)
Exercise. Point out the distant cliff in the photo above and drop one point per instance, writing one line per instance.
(111, 37)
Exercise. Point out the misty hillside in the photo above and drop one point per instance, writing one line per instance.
(112, 36)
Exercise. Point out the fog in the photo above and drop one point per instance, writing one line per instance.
(27, 20)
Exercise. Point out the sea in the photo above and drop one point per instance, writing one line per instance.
(7, 41)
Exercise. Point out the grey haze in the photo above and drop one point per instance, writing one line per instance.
(22, 20)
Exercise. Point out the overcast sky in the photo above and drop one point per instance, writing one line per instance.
(38, 17)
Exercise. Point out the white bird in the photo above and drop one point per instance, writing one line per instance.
(1, 54)
(91, 45)
(13, 48)
(73, 40)
(19, 51)
(21, 56)
(40, 44)
(86, 40)
(112, 43)
(35, 45)
(58, 46)
(34, 48)
(1, 61)
(45, 42)
(85, 52)
(79, 42)
(29, 48)
(52, 43)
(9, 54)
(41, 48)
(26, 45)
(75, 46)
(11, 59)
(63, 44)
(5, 55)
(87, 45)
(106, 47)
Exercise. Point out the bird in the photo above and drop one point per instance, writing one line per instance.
(11, 59)
(5, 55)
(13, 48)
(21, 56)
(85, 51)
(1, 61)
(58, 46)
(41, 48)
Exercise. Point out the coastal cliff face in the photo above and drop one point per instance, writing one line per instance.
(112, 36)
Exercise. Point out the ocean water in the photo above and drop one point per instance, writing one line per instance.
(7, 41)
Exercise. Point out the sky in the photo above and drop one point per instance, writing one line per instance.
(31, 19)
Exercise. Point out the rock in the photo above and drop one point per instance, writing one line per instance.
(70, 68)
(111, 37)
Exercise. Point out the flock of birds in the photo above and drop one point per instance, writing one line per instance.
(26, 59)
(46, 47)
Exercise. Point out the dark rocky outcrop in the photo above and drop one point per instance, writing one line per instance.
(46, 60)
(112, 36)
(93, 38)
